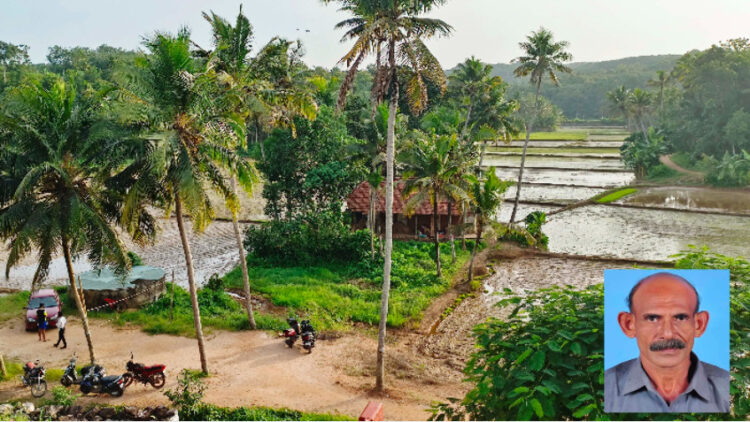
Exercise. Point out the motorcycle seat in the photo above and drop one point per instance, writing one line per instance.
(109, 379)
(154, 368)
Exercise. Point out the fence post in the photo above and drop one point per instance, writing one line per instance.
(2, 366)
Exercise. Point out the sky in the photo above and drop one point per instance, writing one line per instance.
(597, 30)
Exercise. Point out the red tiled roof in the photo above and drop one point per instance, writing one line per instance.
(359, 201)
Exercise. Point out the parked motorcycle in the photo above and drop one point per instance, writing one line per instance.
(292, 334)
(153, 375)
(94, 381)
(308, 336)
(304, 330)
(34, 376)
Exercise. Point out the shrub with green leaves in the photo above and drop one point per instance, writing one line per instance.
(61, 396)
(545, 361)
(731, 170)
(534, 222)
(307, 240)
(640, 154)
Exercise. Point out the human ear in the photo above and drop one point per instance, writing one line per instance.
(701, 322)
(627, 323)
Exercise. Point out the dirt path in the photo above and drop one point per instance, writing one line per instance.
(255, 368)
(667, 161)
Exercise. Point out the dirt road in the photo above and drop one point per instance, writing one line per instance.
(254, 368)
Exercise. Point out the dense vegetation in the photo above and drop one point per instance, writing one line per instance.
(545, 360)
(582, 94)
(697, 110)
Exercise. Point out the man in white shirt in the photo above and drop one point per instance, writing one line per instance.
(61, 321)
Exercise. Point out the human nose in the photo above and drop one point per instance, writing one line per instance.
(667, 328)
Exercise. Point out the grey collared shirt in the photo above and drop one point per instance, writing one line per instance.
(628, 389)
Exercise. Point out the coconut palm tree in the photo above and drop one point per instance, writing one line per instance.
(395, 29)
(486, 195)
(542, 56)
(639, 105)
(662, 80)
(57, 193)
(187, 136)
(432, 174)
(618, 103)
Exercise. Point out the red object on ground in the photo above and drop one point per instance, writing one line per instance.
(373, 412)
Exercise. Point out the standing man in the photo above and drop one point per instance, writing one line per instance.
(41, 322)
(61, 321)
(665, 319)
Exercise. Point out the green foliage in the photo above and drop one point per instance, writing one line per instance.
(707, 114)
(307, 240)
(187, 396)
(12, 305)
(218, 310)
(514, 233)
(661, 172)
(614, 196)
(544, 361)
(534, 222)
(333, 295)
(134, 259)
(641, 154)
(61, 396)
(309, 173)
(731, 170)
(548, 118)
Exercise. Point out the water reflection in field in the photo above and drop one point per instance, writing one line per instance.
(644, 234)
(559, 162)
(568, 177)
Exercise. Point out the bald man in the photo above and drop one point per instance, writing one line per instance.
(665, 319)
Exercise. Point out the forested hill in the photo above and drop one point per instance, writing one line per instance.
(582, 94)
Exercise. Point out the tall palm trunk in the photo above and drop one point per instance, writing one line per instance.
(392, 108)
(450, 221)
(436, 234)
(243, 262)
(529, 128)
(77, 298)
(481, 155)
(480, 223)
(191, 283)
(371, 221)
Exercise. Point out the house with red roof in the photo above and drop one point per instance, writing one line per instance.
(419, 225)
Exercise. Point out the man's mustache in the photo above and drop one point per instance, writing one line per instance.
(671, 343)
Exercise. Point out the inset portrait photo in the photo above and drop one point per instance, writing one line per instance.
(666, 341)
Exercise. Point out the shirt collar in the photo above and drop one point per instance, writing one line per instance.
(638, 379)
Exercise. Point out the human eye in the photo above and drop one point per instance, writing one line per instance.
(652, 318)
(681, 317)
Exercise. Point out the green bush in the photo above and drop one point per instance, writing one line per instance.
(534, 222)
(731, 170)
(660, 172)
(641, 154)
(134, 259)
(61, 396)
(308, 240)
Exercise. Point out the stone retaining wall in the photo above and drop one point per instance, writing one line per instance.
(27, 410)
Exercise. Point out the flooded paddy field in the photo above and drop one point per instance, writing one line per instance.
(630, 233)
(733, 201)
(544, 193)
(556, 150)
(562, 144)
(569, 177)
(570, 163)
(214, 251)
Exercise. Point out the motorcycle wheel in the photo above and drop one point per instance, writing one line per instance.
(127, 379)
(116, 392)
(66, 381)
(38, 388)
(289, 342)
(85, 388)
(157, 380)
